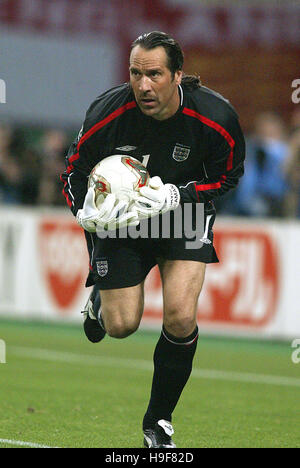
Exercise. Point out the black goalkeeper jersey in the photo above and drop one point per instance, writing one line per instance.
(200, 149)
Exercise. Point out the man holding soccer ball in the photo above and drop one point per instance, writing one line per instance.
(190, 141)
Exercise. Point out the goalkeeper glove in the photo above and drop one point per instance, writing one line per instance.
(156, 198)
(110, 215)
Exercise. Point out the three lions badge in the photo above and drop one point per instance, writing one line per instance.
(181, 152)
(102, 267)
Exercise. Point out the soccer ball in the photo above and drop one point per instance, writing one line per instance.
(118, 174)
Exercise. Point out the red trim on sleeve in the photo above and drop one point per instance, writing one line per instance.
(215, 185)
(71, 160)
(95, 128)
(200, 187)
(216, 127)
(65, 193)
(102, 123)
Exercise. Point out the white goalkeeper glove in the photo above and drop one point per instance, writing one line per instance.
(156, 198)
(110, 215)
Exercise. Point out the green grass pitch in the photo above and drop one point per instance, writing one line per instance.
(59, 390)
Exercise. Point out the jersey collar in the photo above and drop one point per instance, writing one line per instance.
(180, 95)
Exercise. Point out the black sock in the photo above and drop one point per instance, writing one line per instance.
(97, 305)
(173, 358)
(95, 298)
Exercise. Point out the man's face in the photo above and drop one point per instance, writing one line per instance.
(155, 90)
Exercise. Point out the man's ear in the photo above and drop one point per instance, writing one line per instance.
(178, 76)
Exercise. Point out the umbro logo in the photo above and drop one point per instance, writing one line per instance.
(126, 148)
(205, 240)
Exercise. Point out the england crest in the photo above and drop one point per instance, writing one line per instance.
(102, 267)
(181, 152)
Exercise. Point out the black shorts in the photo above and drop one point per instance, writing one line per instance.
(123, 262)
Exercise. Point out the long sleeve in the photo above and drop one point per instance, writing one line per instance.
(74, 178)
(95, 141)
(224, 165)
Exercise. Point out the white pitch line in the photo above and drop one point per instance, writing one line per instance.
(247, 377)
(88, 360)
(21, 443)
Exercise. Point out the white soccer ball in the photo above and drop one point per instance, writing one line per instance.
(118, 174)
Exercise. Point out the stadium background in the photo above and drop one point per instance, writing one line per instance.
(56, 57)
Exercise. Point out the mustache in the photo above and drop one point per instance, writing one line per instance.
(146, 96)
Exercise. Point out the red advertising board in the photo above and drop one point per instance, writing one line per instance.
(241, 290)
(64, 261)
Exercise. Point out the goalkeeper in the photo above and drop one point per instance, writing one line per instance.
(194, 147)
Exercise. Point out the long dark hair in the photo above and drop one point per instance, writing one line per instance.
(191, 81)
(174, 53)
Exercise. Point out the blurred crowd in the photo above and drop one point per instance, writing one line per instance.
(270, 186)
(30, 166)
(30, 169)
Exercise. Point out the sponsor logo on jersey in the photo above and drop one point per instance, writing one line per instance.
(181, 152)
(126, 148)
(102, 267)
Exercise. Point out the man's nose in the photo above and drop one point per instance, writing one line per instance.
(145, 84)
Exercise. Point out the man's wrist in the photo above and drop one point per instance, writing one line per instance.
(173, 197)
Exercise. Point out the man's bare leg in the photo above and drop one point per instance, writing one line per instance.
(119, 315)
